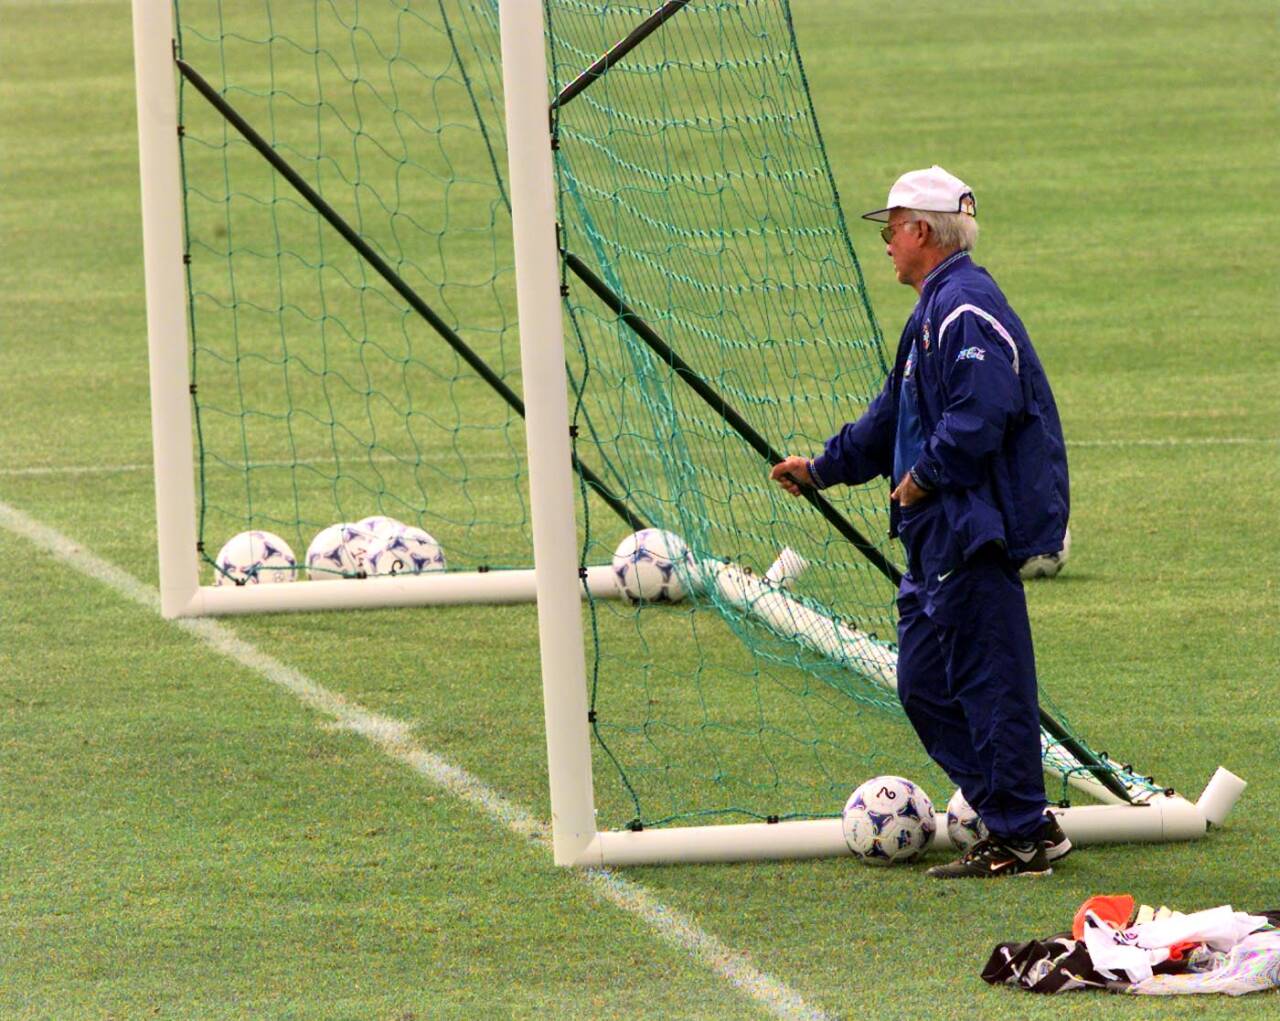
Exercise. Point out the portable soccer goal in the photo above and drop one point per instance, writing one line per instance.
(535, 278)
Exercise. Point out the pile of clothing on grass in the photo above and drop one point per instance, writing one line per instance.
(1123, 948)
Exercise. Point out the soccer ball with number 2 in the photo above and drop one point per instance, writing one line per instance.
(888, 821)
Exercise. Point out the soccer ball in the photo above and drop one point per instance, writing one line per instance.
(648, 566)
(254, 558)
(964, 826)
(888, 820)
(338, 552)
(1047, 565)
(380, 525)
(407, 550)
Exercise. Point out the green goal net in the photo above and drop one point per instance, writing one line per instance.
(715, 317)
(694, 188)
(320, 395)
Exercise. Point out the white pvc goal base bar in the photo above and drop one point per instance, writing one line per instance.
(431, 589)
(1161, 819)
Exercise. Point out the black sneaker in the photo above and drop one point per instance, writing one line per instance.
(991, 858)
(1056, 844)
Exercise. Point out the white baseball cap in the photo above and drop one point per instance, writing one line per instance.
(932, 190)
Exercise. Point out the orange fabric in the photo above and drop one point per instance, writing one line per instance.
(1115, 909)
(1179, 950)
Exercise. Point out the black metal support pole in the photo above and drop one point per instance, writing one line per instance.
(837, 520)
(739, 425)
(390, 275)
(619, 50)
(1085, 757)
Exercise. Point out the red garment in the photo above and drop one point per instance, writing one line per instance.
(1113, 908)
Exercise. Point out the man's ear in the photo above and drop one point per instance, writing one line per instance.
(924, 233)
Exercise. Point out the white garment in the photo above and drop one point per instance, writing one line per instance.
(1220, 928)
(1114, 954)
(1130, 954)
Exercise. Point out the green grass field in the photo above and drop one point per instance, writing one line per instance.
(180, 837)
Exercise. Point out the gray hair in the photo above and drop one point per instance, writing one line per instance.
(951, 231)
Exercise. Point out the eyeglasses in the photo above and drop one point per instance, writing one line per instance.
(887, 231)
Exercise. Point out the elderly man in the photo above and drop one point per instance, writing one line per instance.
(967, 433)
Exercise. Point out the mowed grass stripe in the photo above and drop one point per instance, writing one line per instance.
(394, 739)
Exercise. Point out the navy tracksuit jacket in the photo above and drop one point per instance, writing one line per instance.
(968, 409)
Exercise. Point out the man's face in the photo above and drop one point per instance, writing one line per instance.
(905, 247)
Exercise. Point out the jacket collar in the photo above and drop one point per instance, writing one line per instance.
(942, 270)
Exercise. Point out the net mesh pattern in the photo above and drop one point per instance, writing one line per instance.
(694, 183)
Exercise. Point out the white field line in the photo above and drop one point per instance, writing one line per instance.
(394, 738)
(116, 469)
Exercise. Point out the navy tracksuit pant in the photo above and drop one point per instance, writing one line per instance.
(967, 680)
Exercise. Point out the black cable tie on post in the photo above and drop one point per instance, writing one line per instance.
(199, 545)
(482, 569)
(564, 290)
(191, 389)
(186, 258)
(591, 716)
(635, 826)
(582, 573)
(772, 819)
(573, 432)
(182, 131)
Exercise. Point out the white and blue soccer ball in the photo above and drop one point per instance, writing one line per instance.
(406, 550)
(651, 566)
(888, 821)
(338, 552)
(1047, 565)
(254, 558)
(964, 826)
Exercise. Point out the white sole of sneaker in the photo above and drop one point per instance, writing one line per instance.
(1056, 852)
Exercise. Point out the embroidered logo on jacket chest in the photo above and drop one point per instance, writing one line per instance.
(926, 334)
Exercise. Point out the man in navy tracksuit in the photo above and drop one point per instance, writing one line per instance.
(967, 432)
